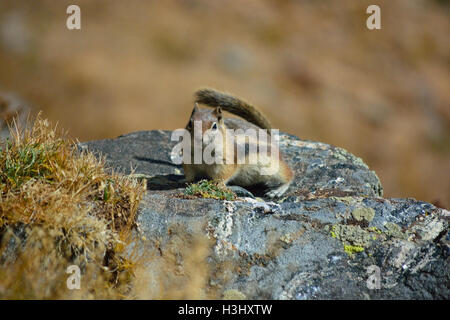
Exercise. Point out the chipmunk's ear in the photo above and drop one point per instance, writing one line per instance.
(195, 109)
(218, 113)
(191, 118)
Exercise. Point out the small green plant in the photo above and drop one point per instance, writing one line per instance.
(210, 189)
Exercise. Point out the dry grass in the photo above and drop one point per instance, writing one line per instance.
(59, 207)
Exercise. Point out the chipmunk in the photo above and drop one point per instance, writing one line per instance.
(241, 171)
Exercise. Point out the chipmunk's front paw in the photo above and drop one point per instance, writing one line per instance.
(241, 192)
(272, 194)
(278, 192)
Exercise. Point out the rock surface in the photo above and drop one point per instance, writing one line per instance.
(332, 237)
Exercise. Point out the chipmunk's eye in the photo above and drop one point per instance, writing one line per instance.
(214, 126)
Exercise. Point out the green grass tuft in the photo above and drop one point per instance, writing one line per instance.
(211, 190)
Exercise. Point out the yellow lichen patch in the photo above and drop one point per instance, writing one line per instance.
(350, 250)
(374, 229)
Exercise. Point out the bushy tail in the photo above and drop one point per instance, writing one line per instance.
(227, 102)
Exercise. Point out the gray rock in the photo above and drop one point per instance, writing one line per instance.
(331, 237)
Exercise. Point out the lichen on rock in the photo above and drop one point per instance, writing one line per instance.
(363, 214)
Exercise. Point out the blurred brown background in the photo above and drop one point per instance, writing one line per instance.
(312, 66)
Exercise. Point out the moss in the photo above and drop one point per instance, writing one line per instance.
(211, 190)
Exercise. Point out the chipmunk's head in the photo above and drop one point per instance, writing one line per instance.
(211, 123)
